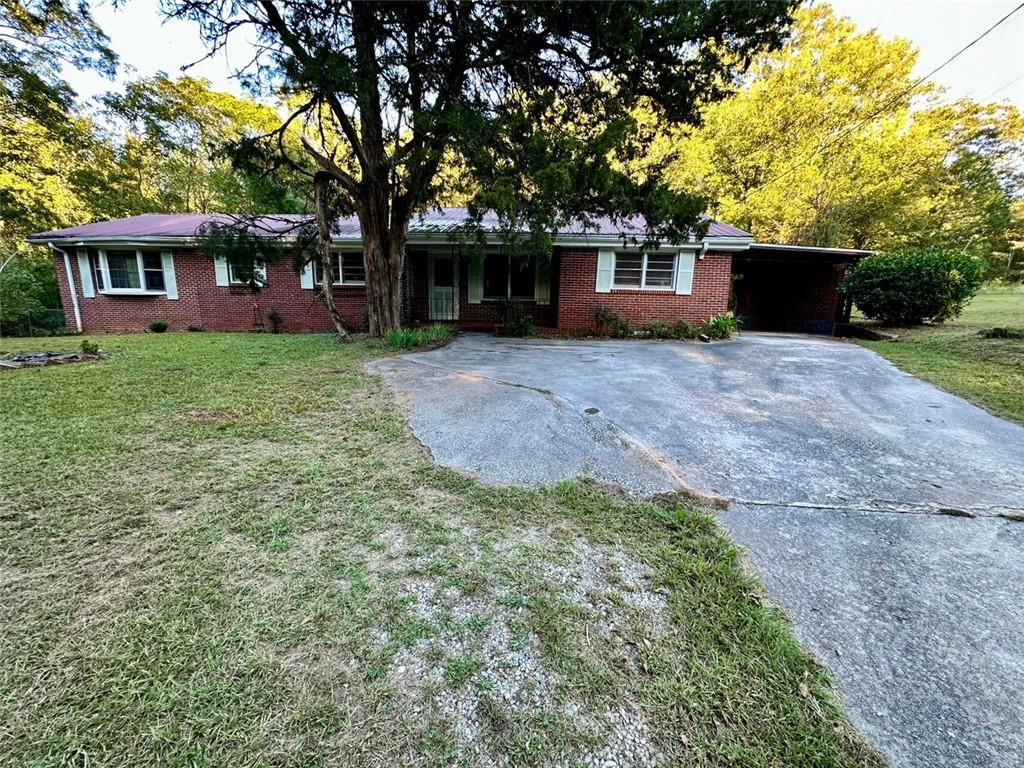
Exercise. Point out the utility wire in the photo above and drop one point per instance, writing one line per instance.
(999, 90)
(891, 101)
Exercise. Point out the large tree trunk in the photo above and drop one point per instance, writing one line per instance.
(324, 223)
(384, 255)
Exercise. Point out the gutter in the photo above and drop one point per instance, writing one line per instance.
(71, 285)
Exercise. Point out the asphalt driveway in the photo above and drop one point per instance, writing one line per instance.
(883, 513)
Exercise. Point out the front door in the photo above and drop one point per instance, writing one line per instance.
(442, 290)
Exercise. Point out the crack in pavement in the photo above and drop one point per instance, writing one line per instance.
(664, 462)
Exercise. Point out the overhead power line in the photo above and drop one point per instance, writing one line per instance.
(893, 100)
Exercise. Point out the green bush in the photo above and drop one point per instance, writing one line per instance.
(158, 326)
(522, 326)
(911, 286)
(610, 322)
(90, 347)
(409, 338)
(720, 326)
(662, 329)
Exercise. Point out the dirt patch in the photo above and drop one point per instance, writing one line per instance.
(40, 359)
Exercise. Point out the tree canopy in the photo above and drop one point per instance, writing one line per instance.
(533, 98)
(831, 141)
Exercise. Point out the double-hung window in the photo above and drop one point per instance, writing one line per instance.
(652, 271)
(347, 268)
(506, 277)
(260, 273)
(130, 271)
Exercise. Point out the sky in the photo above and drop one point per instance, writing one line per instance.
(991, 70)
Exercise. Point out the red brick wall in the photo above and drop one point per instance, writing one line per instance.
(578, 300)
(215, 308)
(202, 302)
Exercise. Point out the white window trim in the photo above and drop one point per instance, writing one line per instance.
(643, 274)
(341, 269)
(143, 291)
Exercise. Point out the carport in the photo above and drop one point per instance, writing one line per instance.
(791, 287)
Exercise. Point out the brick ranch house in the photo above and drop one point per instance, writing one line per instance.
(119, 275)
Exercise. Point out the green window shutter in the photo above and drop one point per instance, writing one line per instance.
(220, 264)
(475, 294)
(542, 285)
(170, 281)
(85, 275)
(684, 273)
(605, 270)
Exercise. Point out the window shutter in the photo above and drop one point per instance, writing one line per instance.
(220, 264)
(306, 276)
(684, 273)
(85, 274)
(605, 270)
(542, 286)
(475, 293)
(260, 273)
(170, 282)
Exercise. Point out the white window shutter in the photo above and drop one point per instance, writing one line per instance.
(684, 273)
(170, 281)
(475, 294)
(306, 276)
(259, 271)
(605, 270)
(220, 264)
(542, 283)
(85, 274)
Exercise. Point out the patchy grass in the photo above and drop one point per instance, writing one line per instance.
(960, 357)
(227, 550)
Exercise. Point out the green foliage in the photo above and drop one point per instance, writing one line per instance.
(158, 326)
(720, 326)
(911, 286)
(274, 316)
(1002, 333)
(90, 347)
(832, 143)
(610, 323)
(436, 334)
(680, 329)
(514, 320)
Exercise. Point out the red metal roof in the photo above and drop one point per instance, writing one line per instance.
(447, 220)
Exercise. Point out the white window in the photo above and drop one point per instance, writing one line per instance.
(347, 268)
(260, 274)
(130, 271)
(650, 271)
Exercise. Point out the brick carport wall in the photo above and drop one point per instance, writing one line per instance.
(578, 298)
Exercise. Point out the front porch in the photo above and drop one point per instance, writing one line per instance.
(477, 291)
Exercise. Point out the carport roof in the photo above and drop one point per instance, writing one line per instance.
(183, 226)
(779, 250)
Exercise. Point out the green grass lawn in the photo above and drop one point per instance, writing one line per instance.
(227, 549)
(954, 355)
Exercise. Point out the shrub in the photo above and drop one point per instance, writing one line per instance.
(610, 322)
(683, 330)
(90, 347)
(911, 286)
(659, 329)
(195, 328)
(720, 326)
(522, 326)
(158, 326)
(274, 316)
(409, 338)
(1002, 333)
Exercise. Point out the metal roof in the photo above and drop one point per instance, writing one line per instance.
(158, 226)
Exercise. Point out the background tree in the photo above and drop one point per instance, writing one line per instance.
(831, 142)
(507, 86)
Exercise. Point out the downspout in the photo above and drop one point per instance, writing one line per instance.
(71, 285)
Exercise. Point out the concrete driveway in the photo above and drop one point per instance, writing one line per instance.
(883, 513)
